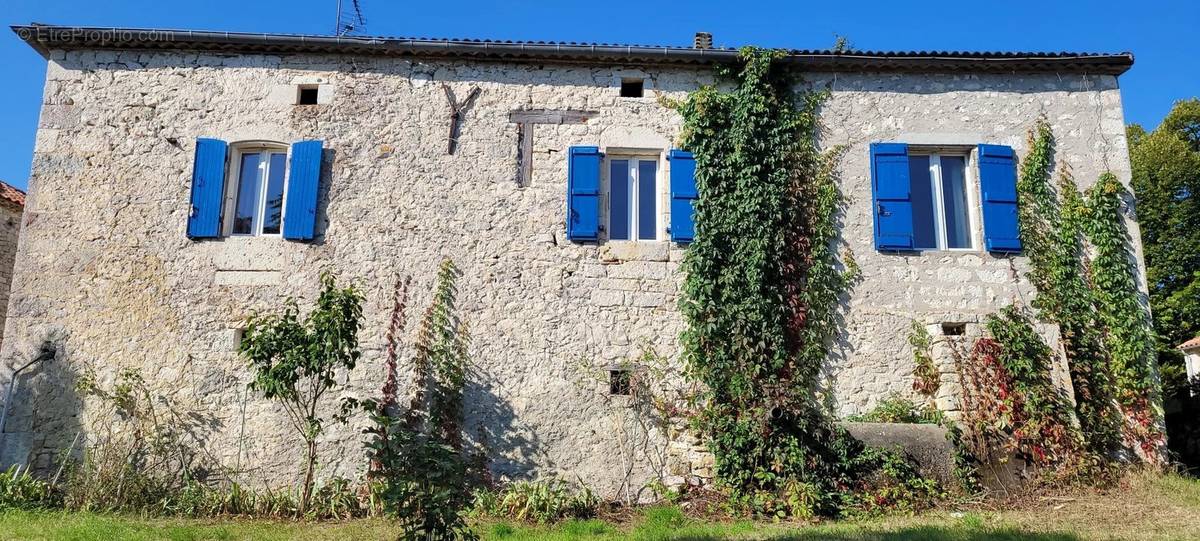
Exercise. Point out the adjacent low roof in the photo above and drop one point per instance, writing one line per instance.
(44, 38)
(11, 194)
(1191, 344)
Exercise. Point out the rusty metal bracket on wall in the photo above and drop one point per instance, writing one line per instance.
(456, 112)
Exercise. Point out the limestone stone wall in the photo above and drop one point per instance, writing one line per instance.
(10, 231)
(104, 257)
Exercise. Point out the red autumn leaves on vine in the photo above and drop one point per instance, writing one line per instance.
(1004, 420)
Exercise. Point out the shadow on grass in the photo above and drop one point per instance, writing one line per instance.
(915, 533)
(669, 524)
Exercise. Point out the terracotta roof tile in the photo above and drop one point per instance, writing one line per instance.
(11, 193)
(1193, 343)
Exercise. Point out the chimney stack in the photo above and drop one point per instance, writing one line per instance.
(703, 40)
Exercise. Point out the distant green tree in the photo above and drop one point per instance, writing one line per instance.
(1184, 120)
(296, 360)
(1166, 180)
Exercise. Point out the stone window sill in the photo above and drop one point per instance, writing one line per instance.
(617, 251)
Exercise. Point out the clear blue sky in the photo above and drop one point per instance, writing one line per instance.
(1162, 34)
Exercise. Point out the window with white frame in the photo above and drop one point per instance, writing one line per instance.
(633, 206)
(255, 190)
(941, 202)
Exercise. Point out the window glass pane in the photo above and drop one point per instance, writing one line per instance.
(954, 205)
(246, 205)
(273, 213)
(924, 235)
(618, 200)
(647, 205)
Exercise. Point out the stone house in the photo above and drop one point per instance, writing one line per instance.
(183, 180)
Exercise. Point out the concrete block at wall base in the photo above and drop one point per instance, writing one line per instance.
(926, 444)
(15, 448)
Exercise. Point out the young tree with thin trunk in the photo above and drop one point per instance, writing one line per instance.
(295, 360)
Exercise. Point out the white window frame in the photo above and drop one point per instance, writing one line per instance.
(634, 158)
(939, 207)
(233, 183)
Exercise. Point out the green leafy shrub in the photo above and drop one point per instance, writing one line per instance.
(424, 485)
(897, 409)
(21, 490)
(143, 456)
(894, 486)
(336, 499)
(199, 500)
(537, 501)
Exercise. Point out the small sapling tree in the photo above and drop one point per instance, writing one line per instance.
(295, 360)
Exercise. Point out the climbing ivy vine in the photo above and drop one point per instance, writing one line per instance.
(1129, 336)
(1051, 234)
(760, 297)
(1038, 417)
(417, 452)
(1104, 330)
(763, 279)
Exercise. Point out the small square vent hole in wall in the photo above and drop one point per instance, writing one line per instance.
(307, 95)
(620, 382)
(631, 88)
(954, 329)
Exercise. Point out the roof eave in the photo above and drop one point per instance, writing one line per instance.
(44, 39)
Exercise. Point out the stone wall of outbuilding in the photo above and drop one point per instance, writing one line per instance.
(11, 206)
(105, 262)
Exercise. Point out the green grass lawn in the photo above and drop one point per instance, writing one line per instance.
(656, 524)
(1145, 507)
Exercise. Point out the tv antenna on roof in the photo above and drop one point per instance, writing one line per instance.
(349, 22)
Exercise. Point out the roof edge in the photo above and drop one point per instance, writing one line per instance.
(11, 195)
(45, 38)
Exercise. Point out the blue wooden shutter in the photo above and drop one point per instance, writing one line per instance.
(304, 179)
(683, 195)
(998, 183)
(208, 189)
(583, 193)
(891, 191)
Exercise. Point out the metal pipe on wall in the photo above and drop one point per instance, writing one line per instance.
(47, 352)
